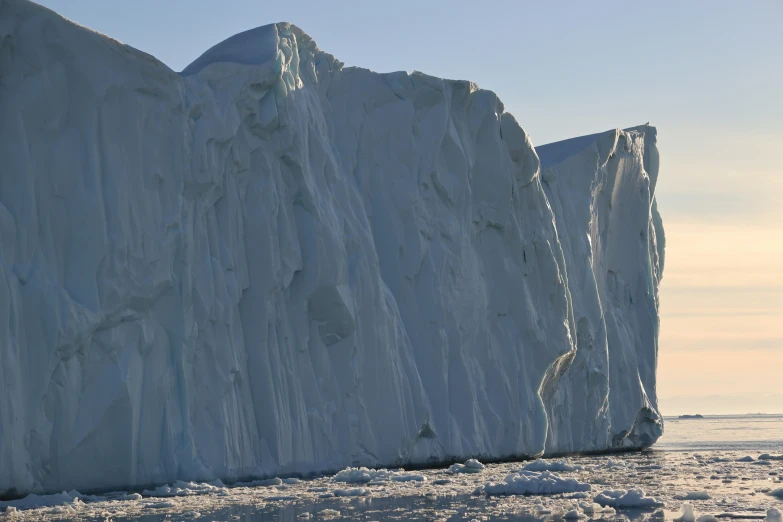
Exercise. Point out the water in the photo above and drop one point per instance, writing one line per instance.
(761, 433)
(702, 456)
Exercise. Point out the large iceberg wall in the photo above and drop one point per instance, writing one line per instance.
(600, 189)
(271, 263)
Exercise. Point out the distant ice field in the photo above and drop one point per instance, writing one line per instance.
(729, 468)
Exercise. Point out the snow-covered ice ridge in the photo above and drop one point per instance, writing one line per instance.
(274, 264)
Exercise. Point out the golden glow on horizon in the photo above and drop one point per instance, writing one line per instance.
(721, 312)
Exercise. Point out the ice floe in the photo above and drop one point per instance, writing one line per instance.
(534, 483)
(632, 498)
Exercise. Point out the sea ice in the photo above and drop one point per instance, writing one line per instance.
(34, 501)
(352, 492)
(408, 477)
(549, 465)
(774, 515)
(736, 501)
(686, 514)
(534, 483)
(360, 475)
(632, 498)
(474, 464)
(163, 504)
(265, 482)
(694, 495)
(183, 489)
(593, 508)
(767, 456)
(471, 466)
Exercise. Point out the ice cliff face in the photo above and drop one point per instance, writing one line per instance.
(600, 189)
(271, 263)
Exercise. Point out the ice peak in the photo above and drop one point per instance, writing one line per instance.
(555, 152)
(256, 46)
(253, 47)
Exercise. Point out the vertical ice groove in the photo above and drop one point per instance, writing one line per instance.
(270, 263)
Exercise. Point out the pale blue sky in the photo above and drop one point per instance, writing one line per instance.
(708, 74)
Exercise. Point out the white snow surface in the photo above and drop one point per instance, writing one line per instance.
(274, 264)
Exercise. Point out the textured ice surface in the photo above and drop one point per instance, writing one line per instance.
(686, 513)
(364, 475)
(446, 496)
(534, 483)
(273, 264)
(549, 465)
(632, 498)
(694, 495)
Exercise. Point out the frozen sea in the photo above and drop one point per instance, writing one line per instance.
(730, 467)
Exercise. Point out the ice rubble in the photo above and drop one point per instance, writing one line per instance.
(549, 465)
(694, 495)
(365, 476)
(534, 483)
(768, 457)
(740, 501)
(470, 466)
(185, 489)
(632, 498)
(773, 515)
(688, 515)
(274, 264)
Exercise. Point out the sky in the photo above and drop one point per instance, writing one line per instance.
(707, 73)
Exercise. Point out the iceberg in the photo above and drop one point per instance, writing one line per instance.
(273, 264)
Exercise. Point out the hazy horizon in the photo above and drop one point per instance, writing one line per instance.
(725, 404)
(707, 74)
